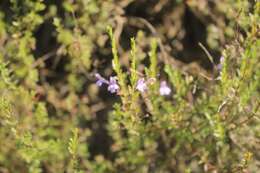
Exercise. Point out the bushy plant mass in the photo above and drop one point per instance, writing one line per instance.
(125, 86)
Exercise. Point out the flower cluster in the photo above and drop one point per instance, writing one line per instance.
(163, 90)
(113, 87)
(142, 85)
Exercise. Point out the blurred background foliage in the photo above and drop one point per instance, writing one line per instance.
(55, 119)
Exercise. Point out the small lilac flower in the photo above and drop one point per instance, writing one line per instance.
(100, 80)
(141, 85)
(164, 89)
(220, 65)
(113, 87)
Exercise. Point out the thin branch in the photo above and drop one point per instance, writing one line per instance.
(44, 58)
(165, 56)
(253, 115)
(208, 54)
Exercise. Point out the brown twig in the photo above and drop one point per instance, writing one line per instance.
(44, 58)
(253, 114)
(165, 57)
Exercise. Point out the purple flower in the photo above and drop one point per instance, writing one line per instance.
(113, 87)
(141, 85)
(100, 80)
(164, 89)
(220, 65)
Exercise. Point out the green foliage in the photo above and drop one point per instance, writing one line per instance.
(116, 64)
(134, 75)
(49, 52)
(73, 149)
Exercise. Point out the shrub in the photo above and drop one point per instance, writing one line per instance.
(148, 111)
